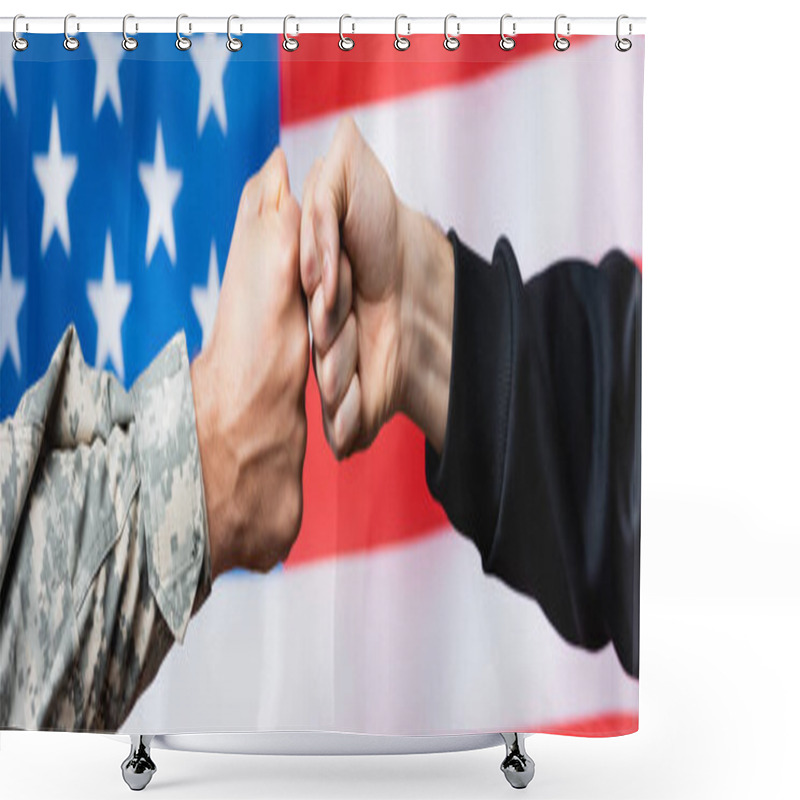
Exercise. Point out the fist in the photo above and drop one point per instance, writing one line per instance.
(250, 382)
(350, 266)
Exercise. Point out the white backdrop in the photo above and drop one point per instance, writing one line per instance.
(720, 601)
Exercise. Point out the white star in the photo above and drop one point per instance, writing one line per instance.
(205, 299)
(7, 72)
(210, 59)
(107, 55)
(109, 301)
(55, 173)
(161, 185)
(12, 293)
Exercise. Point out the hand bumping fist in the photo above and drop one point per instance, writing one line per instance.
(379, 281)
(379, 278)
(249, 383)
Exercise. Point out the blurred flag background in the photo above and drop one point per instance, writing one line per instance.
(120, 174)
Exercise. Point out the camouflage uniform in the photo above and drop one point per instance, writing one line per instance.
(104, 551)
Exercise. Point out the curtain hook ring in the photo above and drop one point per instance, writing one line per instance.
(182, 42)
(290, 44)
(401, 42)
(128, 42)
(507, 42)
(345, 42)
(233, 44)
(451, 42)
(18, 43)
(561, 44)
(70, 42)
(623, 45)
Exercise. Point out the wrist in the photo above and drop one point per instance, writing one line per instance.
(206, 416)
(427, 301)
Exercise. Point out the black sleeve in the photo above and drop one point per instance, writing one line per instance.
(540, 465)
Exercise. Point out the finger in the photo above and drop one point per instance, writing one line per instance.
(347, 420)
(343, 434)
(310, 267)
(326, 324)
(338, 366)
(266, 188)
(327, 421)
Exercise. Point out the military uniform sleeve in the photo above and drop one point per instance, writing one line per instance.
(104, 551)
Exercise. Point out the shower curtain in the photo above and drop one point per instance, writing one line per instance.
(466, 561)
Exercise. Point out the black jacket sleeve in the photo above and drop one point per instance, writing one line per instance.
(540, 465)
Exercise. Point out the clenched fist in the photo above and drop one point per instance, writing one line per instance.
(379, 281)
(249, 383)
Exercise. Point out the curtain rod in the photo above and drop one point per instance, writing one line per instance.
(407, 26)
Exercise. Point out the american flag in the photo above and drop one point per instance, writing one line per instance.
(120, 175)
(119, 181)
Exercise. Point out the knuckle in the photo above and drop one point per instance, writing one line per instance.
(277, 163)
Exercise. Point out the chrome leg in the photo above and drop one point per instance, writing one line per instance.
(517, 766)
(138, 768)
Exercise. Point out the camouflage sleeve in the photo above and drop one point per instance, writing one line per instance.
(104, 551)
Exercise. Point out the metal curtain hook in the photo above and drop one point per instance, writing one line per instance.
(560, 43)
(128, 42)
(290, 44)
(506, 42)
(623, 45)
(70, 42)
(345, 42)
(233, 44)
(18, 43)
(451, 42)
(400, 42)
(181, 41)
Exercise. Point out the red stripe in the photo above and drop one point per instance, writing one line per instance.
(371, 500)
(609, 724)
(319, 78)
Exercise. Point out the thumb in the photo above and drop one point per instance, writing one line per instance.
(331, 199)
(329, 209)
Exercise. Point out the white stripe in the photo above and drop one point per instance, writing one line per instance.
(548, 153)
(409, 640)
